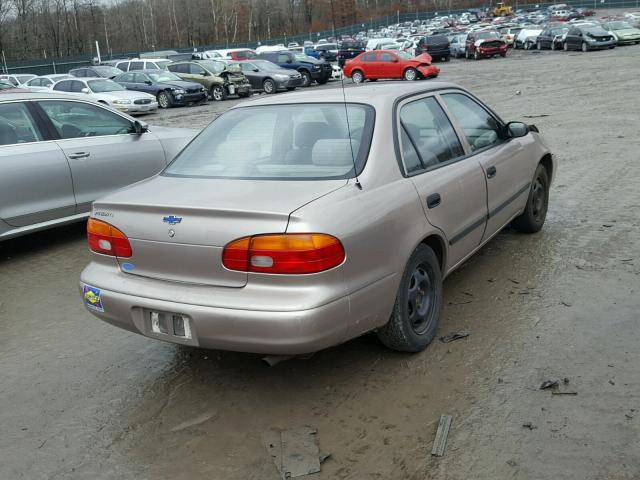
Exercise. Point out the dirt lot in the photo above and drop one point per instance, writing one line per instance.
(80, 399)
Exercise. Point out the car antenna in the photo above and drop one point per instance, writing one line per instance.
(346, 114)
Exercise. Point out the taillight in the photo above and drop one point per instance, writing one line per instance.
(106, 239)
(291, 253)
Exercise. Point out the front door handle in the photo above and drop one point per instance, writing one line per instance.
(79, 155)
(433, 200)
(491, 171)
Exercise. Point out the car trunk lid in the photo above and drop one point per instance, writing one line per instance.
(178, 227)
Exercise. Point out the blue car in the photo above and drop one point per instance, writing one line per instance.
(311, 69)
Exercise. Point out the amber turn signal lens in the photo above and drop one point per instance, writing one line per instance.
(290, 253)
(106, 239)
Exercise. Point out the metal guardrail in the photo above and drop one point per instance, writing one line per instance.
(64, 64)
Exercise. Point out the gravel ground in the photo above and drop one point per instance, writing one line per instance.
(80, 399)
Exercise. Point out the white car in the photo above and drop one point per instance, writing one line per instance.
(108, 92)
(633, 18)
(336, 72)
(19, 79)
(44, 82)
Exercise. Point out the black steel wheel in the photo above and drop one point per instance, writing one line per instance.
(535, 211)
(416, 311)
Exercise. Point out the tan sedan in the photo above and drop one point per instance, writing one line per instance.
(289, 225)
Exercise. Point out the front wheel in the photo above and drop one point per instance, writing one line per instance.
(416, 311)
(217, 93)
(585, 47)
(164, 100)
(269, 86)
(357, 76)
(306, 78)
(535, 212)
(410, 74)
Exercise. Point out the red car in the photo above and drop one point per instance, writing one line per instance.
(389, 64)
(484, 45)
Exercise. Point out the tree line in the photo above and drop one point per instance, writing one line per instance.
(59, 28)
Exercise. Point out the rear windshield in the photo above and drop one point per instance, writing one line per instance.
(280, 142)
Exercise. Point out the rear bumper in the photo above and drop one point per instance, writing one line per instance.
(221, 318)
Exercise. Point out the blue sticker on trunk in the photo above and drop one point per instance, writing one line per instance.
(92, 298)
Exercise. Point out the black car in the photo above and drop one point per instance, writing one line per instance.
(269, 77)
(551, 37)
(310, 68)
(103, 71)
(349, 49)
(588, 37)
(168, 88)
(435, 45)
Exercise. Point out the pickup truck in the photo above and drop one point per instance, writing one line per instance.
(310, 68)
(348, 50)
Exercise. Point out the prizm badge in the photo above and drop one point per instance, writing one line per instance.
(172, 220)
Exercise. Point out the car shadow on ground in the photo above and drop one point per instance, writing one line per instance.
(42, 242)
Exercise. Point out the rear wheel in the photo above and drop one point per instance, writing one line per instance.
(416, 312)
(357, 76)
(164, 100)
(535, 212)
(269, 86)
(410, 74)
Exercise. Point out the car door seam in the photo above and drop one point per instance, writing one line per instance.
(509, 200)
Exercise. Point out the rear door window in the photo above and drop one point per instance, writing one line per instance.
(426, 129)
(124, 66)
(283, 57)
(17, 125)
(63, 86)
(136, 66)
(77, 86)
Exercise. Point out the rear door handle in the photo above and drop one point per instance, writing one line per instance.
(491, 171)
(433, 200)
(79, 155)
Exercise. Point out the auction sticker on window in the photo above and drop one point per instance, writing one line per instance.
(92, 298)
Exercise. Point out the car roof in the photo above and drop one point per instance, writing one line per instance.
(378, 95)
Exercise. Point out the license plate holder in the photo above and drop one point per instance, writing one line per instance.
(169, 326)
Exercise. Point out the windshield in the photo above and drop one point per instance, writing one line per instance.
(266, 65)
(100, 86)
(301, 57)
(486, 35)
(212, 66)
(163, 77)
(107, 71)
(280, 142)
(162, 64)
(619, 25)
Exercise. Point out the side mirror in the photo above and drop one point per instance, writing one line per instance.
(289, 60)
(517, 129)
(148, 82)
(140, 127)
(85, 90)
(395, 60)
(256, 69)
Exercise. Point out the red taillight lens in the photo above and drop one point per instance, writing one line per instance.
(293, 253)
(107, 239)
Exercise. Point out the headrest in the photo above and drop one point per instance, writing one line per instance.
(334, 152)
(308, 133)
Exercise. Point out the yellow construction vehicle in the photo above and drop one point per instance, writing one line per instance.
(502, 10)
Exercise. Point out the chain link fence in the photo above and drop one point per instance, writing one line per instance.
(64, 64)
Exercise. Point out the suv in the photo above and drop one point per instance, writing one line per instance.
(218, 78)
(140, 64)
(435, 45)
(349, 49)
(310, 68)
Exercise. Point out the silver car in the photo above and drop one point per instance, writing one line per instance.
(58, 154)
(283, 228)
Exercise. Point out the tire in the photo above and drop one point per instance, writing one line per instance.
(539, 45)
(553, 45)
(535, 212)
(269, 86)
(357, 76)
(416, 311)
(476, 55)
(503, 54)
(217, 93)
(447, 58)
(584, 47)
(410, 74)
(322, 81)
(565, 46)
(306, 78)
(164, 100)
